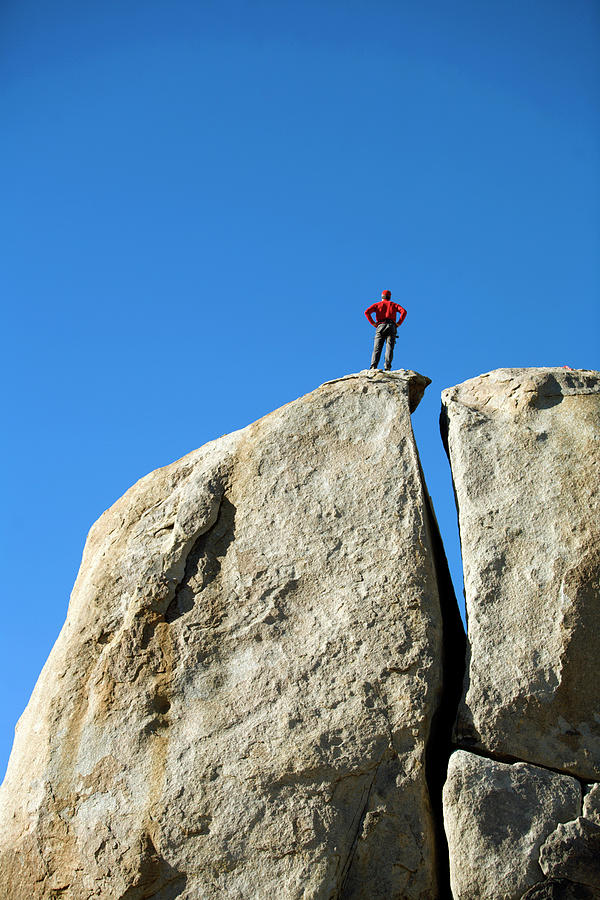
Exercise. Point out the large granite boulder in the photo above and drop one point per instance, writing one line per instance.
(524, 446)
(497, 817)
(240, 700)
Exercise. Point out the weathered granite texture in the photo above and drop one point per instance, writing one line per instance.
(570, 858)
(240, 700)
(524, 446)
(591, 803)
(573, 852)
(497, 816)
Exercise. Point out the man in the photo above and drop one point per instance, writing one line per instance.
(386, 325)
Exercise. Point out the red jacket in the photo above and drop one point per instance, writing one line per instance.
(385, 310)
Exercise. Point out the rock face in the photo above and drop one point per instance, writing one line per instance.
(524, 446)
(497, 817)
(240, 700)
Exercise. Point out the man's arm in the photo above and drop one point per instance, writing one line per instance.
(369, 312)
(402, 313)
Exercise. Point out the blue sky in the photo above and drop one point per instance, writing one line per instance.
(199, 200)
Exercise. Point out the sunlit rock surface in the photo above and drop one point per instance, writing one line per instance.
(240, 700)
(497, 817)
(524, 446)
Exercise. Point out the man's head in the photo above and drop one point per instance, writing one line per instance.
(386, 295)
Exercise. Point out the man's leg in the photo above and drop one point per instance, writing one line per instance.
(389, 347)
(377, 345)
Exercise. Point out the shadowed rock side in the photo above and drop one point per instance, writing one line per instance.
(497, 817)
(239, 702)
(440, 745)
(524, 446)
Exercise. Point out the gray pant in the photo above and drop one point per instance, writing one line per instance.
(385, 331)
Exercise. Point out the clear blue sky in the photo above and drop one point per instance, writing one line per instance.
(199, 199)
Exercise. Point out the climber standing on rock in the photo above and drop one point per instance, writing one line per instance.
(386, 327)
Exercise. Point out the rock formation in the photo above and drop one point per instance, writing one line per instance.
(524, 446)
(240, 701)
(253, 693)
(524, 450)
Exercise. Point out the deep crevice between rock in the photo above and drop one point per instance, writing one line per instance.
(440, 746)
(494, 756)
